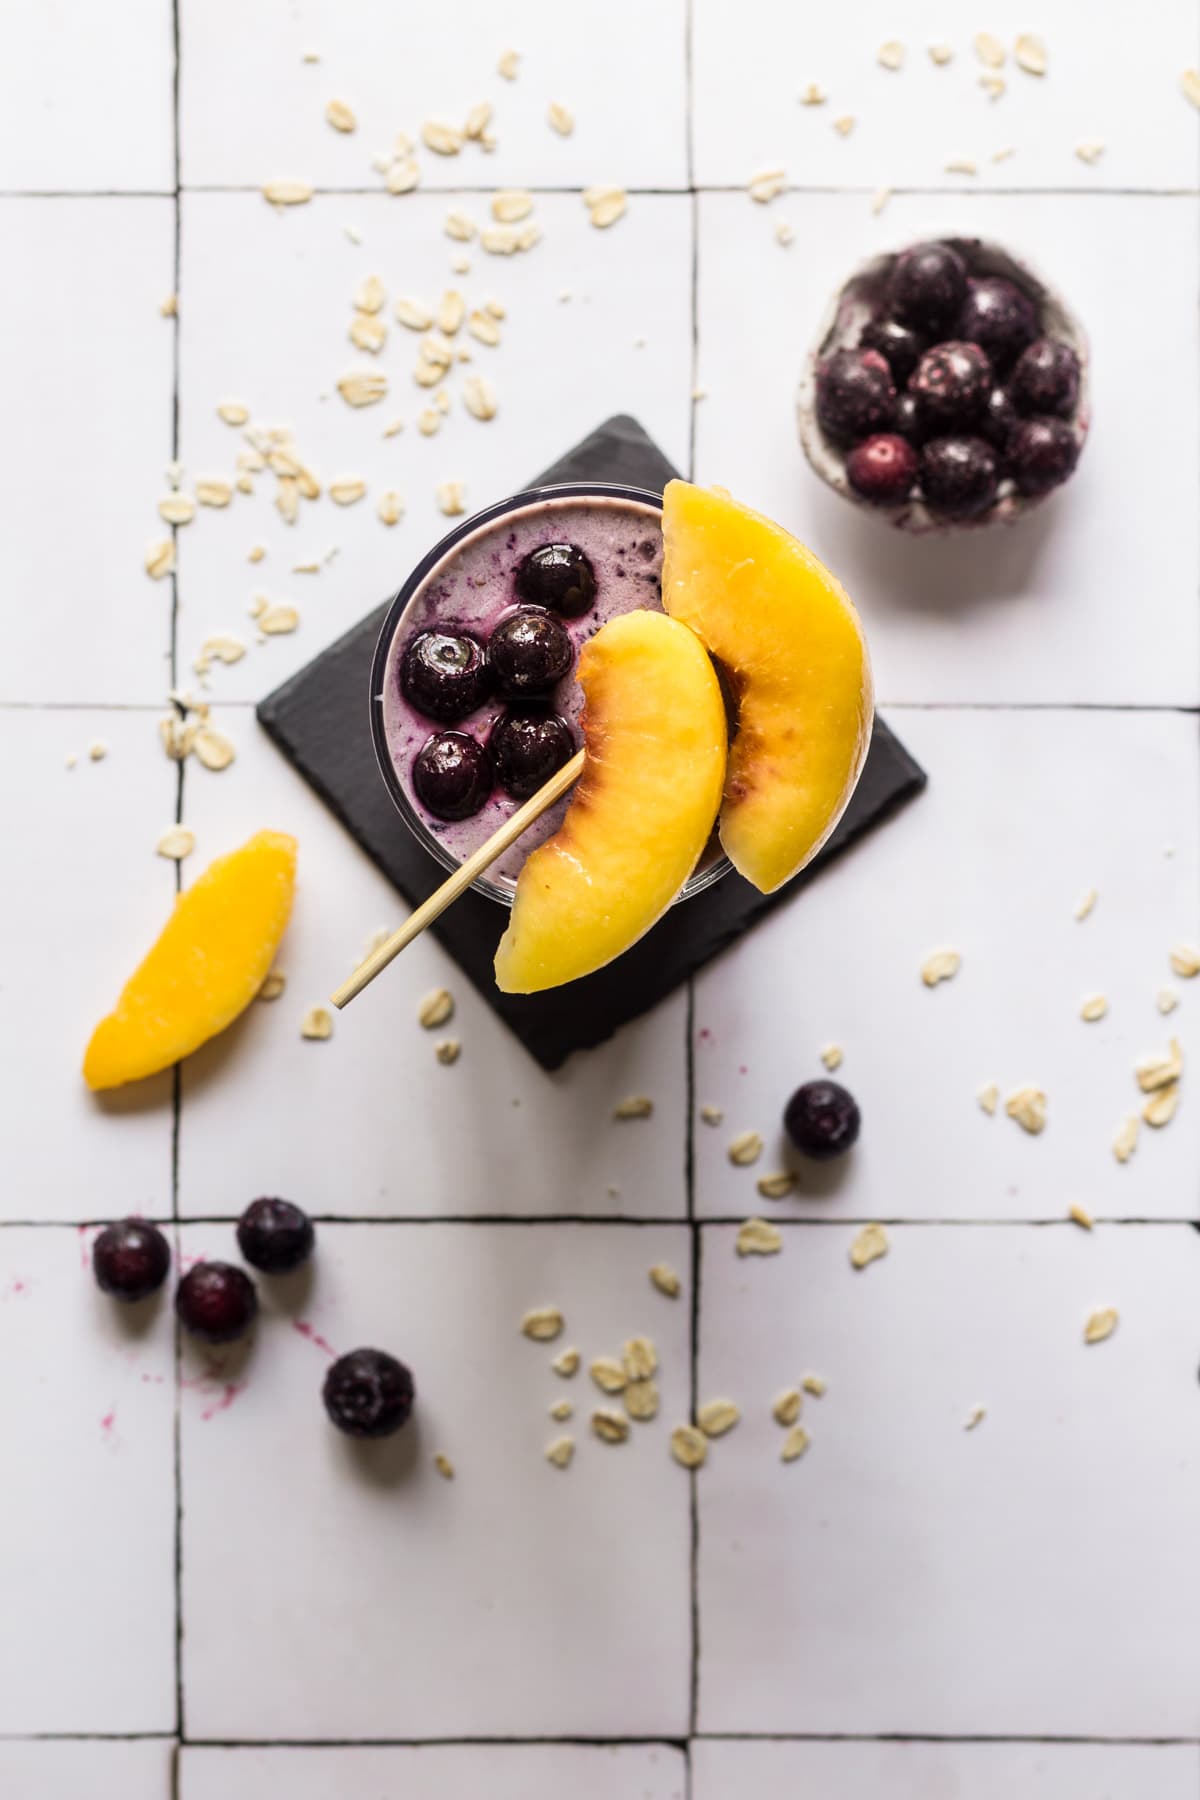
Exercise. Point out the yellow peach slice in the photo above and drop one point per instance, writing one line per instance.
(210, 960)
(790, 641)
(640, 815)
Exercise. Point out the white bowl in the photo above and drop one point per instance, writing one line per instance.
(857, 301)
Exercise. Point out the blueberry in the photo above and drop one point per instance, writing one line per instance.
(909, 422)
(561, 577)
(274, 1235)
(822, 1120)
(999, 317)
(882, 468)
(951, 384)
(452, 775)
(1041, 454)
(130, 1259)
(527, 747)
(926, 286)
(899, 347)
(855, 395)
(444, 674)
(959, 475)
(1046, 378)
(216, 1302)
(368, 1394)
(530, 652)
(999, 417)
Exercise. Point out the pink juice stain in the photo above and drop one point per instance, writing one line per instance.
(107, 1423)
(229, 1394)
(85, 1258)
(313, 1335)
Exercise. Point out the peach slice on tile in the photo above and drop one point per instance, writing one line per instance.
(788, 638)
(641, 813)
(209, 962)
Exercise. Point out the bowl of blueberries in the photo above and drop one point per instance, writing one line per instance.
(948, 387)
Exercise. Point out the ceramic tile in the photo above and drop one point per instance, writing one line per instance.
(89, 415)
(1015, 826)
(444, 1771)
(1081, 602)
(62, 1771)
(561, 368)
(916, 1771)
(376, 1124)
(94, 898)
(1106, 80)
(909, 1576)
(87, 106)
(397, 68)
(87, 1553)
(396, 1620)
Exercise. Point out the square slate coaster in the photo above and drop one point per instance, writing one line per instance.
(311, 719)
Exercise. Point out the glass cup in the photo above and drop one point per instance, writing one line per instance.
(713, 864)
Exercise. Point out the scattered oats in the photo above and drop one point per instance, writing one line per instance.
(1100, 1325)
(610, 1427)
(278, 619)
(444, 1466)
(402, 175)
(716, 1417)
(1125, 1142)
(177, 509)
(391, 507)
(1189, 81)
(635, 1106)
(832, 1056)
(608, 1374)
(169, 308)
(961, 165)
(891, 55)
(353, 233)
(605, 205)
(767, 185)
(174, 474)
(159, 558)
(870, 1244)
(815, 1385)
(437, 1008)
(1161, 1107)
(640, 1358)
(566, 1363)
(999, 156)
(244, 483)
(288, 193)
(940, 54)
(1090, 150)
(1029, 53)
(844, 125)
(712, 1115)
(345, 490)
(542, 1324)
(745, 1149)
(990, 50)
(478, 120)
(881, 197)
(484, 328)
(560, 1452)
(317, 1023)
(756, 1238)
(641, 1400)
(1085, 903)
(499, 240)
(363, 388)
(993, 85)
(559, 118)
(496, 309)
(273, 985)
(213, 490)
(413, 313)
(460, 264)
(785, 1409)
(340, 116)
(447, 1051)
(1028, 1107)
(441, 137)
(178, 738)
(287, 499)
(813, 95)
(306, 568)
(451, 498)
(1185, 960)
(1160, 1069)
(311, 56)
(234, 412)
(689, 1446)
(97, 750)
(367, 332)
(776, 1187)
(221, 647)
(794, 1444)
(479, 397)
(1166, 1000)
(565, 294)
(507, 65)
(213, 748)
(1080, 1215)
(975, 1417)
(1093, 1008)
(666, 1280)
(459, 226)
(943, 965)
(562, 1410)
(785, 232)
(988, 1097)
(71, 759)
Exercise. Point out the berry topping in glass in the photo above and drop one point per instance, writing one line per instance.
(452, 775)
(529, 652)
(558, 576)
(527, 748)
(444, 675)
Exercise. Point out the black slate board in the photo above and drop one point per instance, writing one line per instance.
(311, 719)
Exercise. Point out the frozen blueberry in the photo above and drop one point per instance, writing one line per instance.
(951, 384)
(368, 1394)
(530, 652)
(527, 748)
(855, 395)
(822, 1119)
(452, 775)
(130, 1259)
(561, 577)
(999, 417)
(444, 674)
(1046, 378)
(1041, 454)
(959, 475)
(998, 317)
(909, 422)
(274, 1235)
(899, 346)
(216, 1302)
(882, 468)
(926, 287)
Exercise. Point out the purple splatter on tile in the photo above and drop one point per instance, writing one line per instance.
(229, 1394)
(313, 1335)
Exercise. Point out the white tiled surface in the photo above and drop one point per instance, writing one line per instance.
(1034, 1579)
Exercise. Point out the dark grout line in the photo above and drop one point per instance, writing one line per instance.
(615, 1741)
(928, 1737)
(530, 1221)
(177, 1072)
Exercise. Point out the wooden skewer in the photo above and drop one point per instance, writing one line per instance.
(461, 880)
